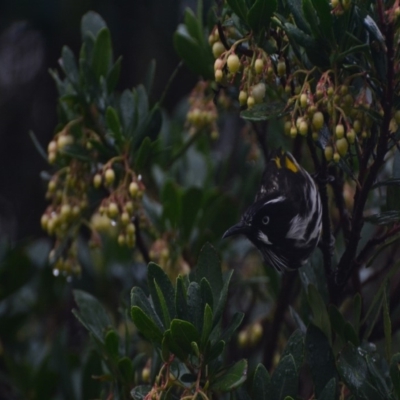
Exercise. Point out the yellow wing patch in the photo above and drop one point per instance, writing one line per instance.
(290, 164)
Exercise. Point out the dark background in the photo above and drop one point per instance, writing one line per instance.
(32, 34)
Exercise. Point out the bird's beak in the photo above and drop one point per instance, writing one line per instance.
(238, 229)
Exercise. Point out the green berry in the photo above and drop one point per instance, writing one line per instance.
(218, 75)
(339, 131)
(303, 100)
(303, 128)
(97, 179)
(258, 92)
(112, 210)
(259, 65)
(318, 120)
(281, 68)
(342, 146)
(109, 176)
(242, 97)
(217, 49)
(133, 189)
(233, 63)
(250, 101)
(328, 151)
(64, 140)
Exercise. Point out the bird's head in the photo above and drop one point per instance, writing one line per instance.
(264, 223)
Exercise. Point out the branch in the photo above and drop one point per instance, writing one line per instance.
(337, 188)
(140, 242)
(322, 180)
(347, 263)
(261, 130)
(283, 301)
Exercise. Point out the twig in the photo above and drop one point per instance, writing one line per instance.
(261, 131)
(337, 188)
(283, 301)
(347, 262)
(239, 49)
(140, 242)
(322, 180)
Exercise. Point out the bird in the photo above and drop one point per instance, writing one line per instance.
(285, 220)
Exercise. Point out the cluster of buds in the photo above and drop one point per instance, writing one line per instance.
(117, 212)
(346, 112)
(71, 192)
(202, 115)
(250, 335)
(254, 66)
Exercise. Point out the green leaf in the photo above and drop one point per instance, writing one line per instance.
(349, 334)
(192, 199)
(311, 17)
(214, 352)
(239, 7)
(146, 325)
(140, 392)
(285, 379)
(219, 308)
(91, 23)
(102, 54)
(384, 218)
(265, 111)
(337, 322)
(172, 203)
(138, 298)
(181, 306)
(261, 383)
(207, 325)
(260, 14)
(170, 345)
(113, 75)
(329, 391)
(38, 146)
(323, 10)
(388, 182)
(195, 305)
(162, 293)
(299, 37)
(198, 58)
(232, 327)
(209, 267)
(295, 347)
(206, 293)
(395, 373)
(373, 312)
(150, 127)
(114, 124)
(193, 26)
(184, 333)
(69, 66)
(149, 78)
(91, 314)
(143, 154)
(112, 343)
(318, 307)
(320, 358)
(387, 324)
(354, 371)
(230, 378)
(297, 319)
(297, 12)
(126, 369)
(127, 108)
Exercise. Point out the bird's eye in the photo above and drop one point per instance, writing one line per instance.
(265, 220)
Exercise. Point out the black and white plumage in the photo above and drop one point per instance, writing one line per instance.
(285, 220)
